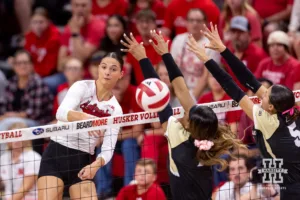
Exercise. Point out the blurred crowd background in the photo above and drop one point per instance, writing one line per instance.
(47, 45)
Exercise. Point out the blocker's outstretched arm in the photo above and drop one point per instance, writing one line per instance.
(243, 74)
(181, 90)
(224, 79)
(138, 52)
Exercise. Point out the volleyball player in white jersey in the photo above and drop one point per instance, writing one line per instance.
(66, 161)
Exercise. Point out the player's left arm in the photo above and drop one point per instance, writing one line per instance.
(107, 151)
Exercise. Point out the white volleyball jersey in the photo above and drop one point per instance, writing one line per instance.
(82, 97)
(12, 174)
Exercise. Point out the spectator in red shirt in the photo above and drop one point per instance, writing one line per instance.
(144, 188)
(242, 46)
(145, 22)
(127, 139)
(82, 35)
(80, 39)
(135, 6)
(280, 67)
(239, 8)
(42, 42)
(176, 12)
(273, 14)
(103, 9)
(73, 71)
(273, 10)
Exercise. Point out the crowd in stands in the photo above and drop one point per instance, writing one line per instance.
(47, 45)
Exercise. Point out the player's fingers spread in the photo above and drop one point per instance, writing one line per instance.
(168, 41)
(155, 35)
(161, 36)
(132, 38)
(206, 28)
(127, 38)
(216, 28)
(142, 44)
(125, 50)
(152, 43)
(208, 35)
(125, 44)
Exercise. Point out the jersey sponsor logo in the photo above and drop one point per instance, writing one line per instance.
(272, 170)
(38, 131)
(10, 134)
(57, 128)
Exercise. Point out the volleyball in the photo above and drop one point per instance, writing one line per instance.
(152, 95)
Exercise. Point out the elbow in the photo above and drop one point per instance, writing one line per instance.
(62, 114)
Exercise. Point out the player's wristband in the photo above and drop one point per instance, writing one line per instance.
(148, 69)
(243, 74)
(171, 66)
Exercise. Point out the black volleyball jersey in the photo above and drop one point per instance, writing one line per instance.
(189, 180)
(276, 139)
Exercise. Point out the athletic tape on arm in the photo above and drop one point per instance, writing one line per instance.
(110, 122)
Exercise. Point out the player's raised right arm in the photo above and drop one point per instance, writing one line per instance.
(243, 74)
(66, 111)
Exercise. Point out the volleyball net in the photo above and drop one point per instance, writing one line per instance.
(148, 143)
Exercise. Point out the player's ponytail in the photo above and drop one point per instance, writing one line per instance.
(224, 142)
(211, 138)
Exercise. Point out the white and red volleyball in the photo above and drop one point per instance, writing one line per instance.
(152, 95)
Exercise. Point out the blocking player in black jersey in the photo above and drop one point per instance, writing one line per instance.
(276, 122)
(195, 142)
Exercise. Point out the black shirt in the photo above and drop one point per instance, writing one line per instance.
(189, 179)
(18, 95)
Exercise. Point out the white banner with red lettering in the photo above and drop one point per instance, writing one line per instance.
(110, 122)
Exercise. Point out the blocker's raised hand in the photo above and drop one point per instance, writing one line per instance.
(214, 38)
(161, 47)
(194, 47)
(136, 49)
